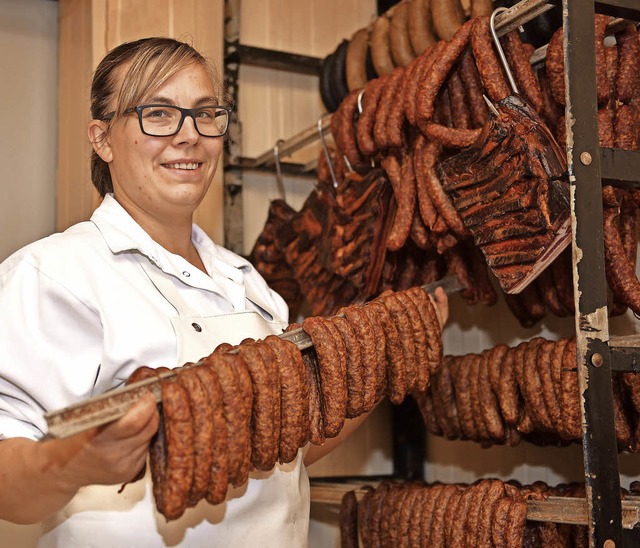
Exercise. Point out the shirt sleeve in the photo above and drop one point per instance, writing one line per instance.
(50, 349)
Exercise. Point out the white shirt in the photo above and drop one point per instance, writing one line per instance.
(79, 311)
(78, 314)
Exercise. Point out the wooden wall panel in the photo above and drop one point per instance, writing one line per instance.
(101, 25)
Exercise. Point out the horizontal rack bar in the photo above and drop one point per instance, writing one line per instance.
(620, 167)
(569, 510)
(112, 405)
(287, 168)
(270, 58)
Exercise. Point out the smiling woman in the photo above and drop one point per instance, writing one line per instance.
(139, 283)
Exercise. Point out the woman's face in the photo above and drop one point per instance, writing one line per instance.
(160, 176)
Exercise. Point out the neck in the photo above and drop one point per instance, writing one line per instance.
(171, 232)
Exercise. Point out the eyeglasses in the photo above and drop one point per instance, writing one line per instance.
(165, 120)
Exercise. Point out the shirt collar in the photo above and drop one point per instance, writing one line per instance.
(123, 234)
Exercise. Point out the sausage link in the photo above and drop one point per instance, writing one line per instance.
(628, 77)
(404, 191)
(399, 41)
(520, 64)
(439, 72)
(421, 31)
(380, 54)
(366, 121)
(473, 89)
(489, 67)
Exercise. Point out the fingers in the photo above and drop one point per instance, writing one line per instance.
(140, 420)
(441, 302)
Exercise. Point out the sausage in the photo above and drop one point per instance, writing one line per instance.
(475, 361)
(396, 118)
(380, 54)
(366, 121)
(458, 532)
(421, 32)
(402, 321)
(461, 116)
(488, 403)
(473, 89)
(219, 471)
(460, 378)
(385, 106)
(365, 333)
(349, 520)
(448, 17)
(439, 71)
(316, 403)
(429, 316)
(554, 67)
(628, 77)
(481, 7)
(532, 387)
(437, 537)
(420, 329)
(551, 113)
(356, 59)
(508, 394)
(440, 199)
(179, 438)
(520, 65)
(419, 233)
(395, 360)
(480, 490)
(425, 60)
(605, 127)
(625, 128)
(332, 368)
(489, 67)
(493, 495)
(265, 419)
(404, 191)
(450, 515)
(571, 425)
(355, 366)
(203, 433)
(233, 414)
(293, 408)
(343, 129)
(426, 208)
(602, 84)
(399, 41)
(426, 510)
(451, 137)
(619, 268)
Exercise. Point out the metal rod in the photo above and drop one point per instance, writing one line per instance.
(298, 141)
(113, 404)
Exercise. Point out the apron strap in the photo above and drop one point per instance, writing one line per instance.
(165, 287)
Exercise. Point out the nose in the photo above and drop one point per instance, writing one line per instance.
(188, 132)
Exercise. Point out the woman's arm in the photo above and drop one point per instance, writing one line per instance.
(39, 478)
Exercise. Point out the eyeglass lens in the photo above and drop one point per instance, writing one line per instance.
(164, 120)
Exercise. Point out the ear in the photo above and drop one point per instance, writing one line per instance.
(99, 139)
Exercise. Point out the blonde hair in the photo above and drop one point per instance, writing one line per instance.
(149, 62)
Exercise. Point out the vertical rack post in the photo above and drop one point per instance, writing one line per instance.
(602, 480)
(232, 199)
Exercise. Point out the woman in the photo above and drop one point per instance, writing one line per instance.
(137, 284)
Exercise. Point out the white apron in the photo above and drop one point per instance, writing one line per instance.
(272, 509)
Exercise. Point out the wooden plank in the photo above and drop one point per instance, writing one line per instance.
(554, 509)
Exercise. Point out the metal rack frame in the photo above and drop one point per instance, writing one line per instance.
(589, 167)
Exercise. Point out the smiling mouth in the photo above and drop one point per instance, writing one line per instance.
(190, 166)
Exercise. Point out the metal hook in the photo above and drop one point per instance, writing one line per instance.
(276, 157)
(496, 41)
(360, 101)
(326, 153)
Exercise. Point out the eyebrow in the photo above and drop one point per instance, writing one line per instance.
(206, 100)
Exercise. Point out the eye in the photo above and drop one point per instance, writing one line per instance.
(206, 113)
(158, 112)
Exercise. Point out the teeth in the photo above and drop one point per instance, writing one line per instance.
(183, 166)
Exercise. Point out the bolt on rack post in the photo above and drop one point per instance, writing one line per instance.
(588, 165)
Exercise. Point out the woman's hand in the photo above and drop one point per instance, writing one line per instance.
(39, 478)
(441, 303)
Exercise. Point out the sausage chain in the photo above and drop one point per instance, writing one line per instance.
(248, 406)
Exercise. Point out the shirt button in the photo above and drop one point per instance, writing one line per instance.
(186, 274)
(196, 326)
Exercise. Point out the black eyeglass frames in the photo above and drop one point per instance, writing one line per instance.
(158, 120)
